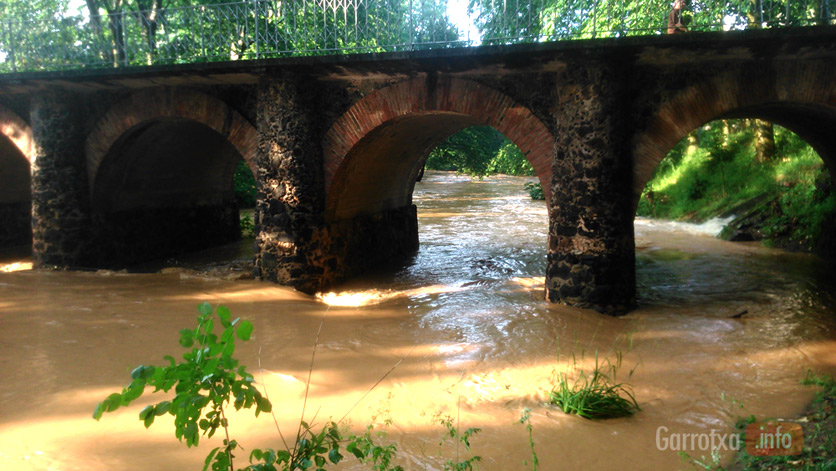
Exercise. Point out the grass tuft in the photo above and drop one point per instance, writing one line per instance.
(595, 394)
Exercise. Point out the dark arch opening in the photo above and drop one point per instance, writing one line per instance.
(372, 221)
(15, 200)
(165, 187)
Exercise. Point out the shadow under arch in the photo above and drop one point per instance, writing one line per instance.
(164, 187)
(16, 151)
(374, 152)
(169, 103)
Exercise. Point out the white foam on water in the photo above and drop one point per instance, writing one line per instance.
(712, 227)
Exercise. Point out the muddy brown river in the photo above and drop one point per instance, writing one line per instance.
(467, 322)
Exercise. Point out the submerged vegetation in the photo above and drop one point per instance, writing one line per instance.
(594, 392)
(773, 183)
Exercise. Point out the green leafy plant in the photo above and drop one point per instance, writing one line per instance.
(209, 379)
(205, 383)
(460, 439)
(594, 394)
(247, 226)
(535, 191)
(526, 420)
(379, 456)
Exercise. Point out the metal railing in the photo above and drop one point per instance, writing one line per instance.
(255, 29)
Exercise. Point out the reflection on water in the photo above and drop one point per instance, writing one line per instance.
(466, 325)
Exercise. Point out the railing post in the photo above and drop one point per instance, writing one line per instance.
(124, 39)
(594, 19)
(411, 27)
(12, 52)
(257, 38)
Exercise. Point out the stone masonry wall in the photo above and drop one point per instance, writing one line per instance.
(61, 222)
(290, 196)
(369, 242)
(591, 260)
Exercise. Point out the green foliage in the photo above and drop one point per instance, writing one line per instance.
(312, 451)
(244, 186)
(538, 20)
(535, 190)
(209, 379)
(205, 383)
(459, 438)
(720, 170)
(247, 226)
(526, 419)
(379, 456)
(479, 151)
(595, 394)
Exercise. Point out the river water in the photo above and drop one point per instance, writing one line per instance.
(465, 328)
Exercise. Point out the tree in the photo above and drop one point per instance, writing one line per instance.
(479, 151)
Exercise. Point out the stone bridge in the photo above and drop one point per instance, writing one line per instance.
(104, 168)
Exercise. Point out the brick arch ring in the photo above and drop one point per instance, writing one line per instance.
(414, 97)
(148, 105)
(782, 95)
(15, 128)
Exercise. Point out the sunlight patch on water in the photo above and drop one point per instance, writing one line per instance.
(15, 266)
(374, 296)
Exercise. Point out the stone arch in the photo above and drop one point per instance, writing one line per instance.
(429, 110)
(170, 103)
(800, 97)
(17, 131)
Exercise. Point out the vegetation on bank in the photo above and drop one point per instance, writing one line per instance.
(818, 426)
(771, 181)
(479, 151)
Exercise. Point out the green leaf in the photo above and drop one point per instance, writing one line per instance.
(211, 366)
(227, 335)
(283, 456)
(97, 414)
(209, 458)
(186, 338)
(334, 455)
(204, 308)
(147, 415)
(113, 402)
(162, 408)
(263, 405)
(319, 460)
(229, 349)
(245, 329)
(224, 314)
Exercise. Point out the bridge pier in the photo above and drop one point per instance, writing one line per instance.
(61, 222)
(591, 260)
(289, 228)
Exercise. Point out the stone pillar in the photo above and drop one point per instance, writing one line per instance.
(290, 206)
(591, 260)
(60, 190)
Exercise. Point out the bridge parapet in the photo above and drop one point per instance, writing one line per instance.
(258, 29)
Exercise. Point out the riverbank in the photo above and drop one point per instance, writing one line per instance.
(782, 196)
(818, 424)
